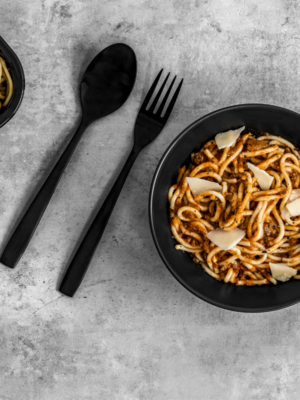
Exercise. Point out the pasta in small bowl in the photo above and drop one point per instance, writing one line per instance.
(12, 82)
(228, 224)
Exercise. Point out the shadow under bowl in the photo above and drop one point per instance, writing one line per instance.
(18, 78)
(263, 118)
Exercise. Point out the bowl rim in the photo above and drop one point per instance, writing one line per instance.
(19, 82)
(151, 211)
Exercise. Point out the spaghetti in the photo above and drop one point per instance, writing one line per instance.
(271, 236)
(6, 84)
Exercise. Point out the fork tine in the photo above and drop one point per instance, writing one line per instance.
(163, 103)
(155, 101)
(151, 91)
(172, 102)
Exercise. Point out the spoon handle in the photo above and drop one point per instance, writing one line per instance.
(26, 227)
(83, 256)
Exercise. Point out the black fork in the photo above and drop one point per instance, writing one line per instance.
(147, 126)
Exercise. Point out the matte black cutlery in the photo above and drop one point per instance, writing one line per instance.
(148, 125)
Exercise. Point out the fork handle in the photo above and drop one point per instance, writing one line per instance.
(83, 256)
(26, 227)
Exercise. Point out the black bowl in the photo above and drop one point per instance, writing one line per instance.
(18, 78)
(275, 120)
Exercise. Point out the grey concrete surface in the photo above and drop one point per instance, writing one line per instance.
(132, 332)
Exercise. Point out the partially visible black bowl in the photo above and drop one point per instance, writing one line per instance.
(275, 120)
(18, 78)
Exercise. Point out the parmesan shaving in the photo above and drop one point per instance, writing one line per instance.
(227, 139)
(263, 178)
(281, 272)
(226, 240)
(294, 196)
(199, 186)
(294, 208)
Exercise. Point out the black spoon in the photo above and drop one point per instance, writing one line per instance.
(105, 86)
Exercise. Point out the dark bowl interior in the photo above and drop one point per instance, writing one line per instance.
(275, 120)
(17, 75)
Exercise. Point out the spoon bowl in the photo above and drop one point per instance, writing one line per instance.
(105, 86)
(112, 72)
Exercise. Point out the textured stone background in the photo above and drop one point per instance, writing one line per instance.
(132, 332)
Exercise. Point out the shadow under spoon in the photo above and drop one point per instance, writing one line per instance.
(104, 88)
